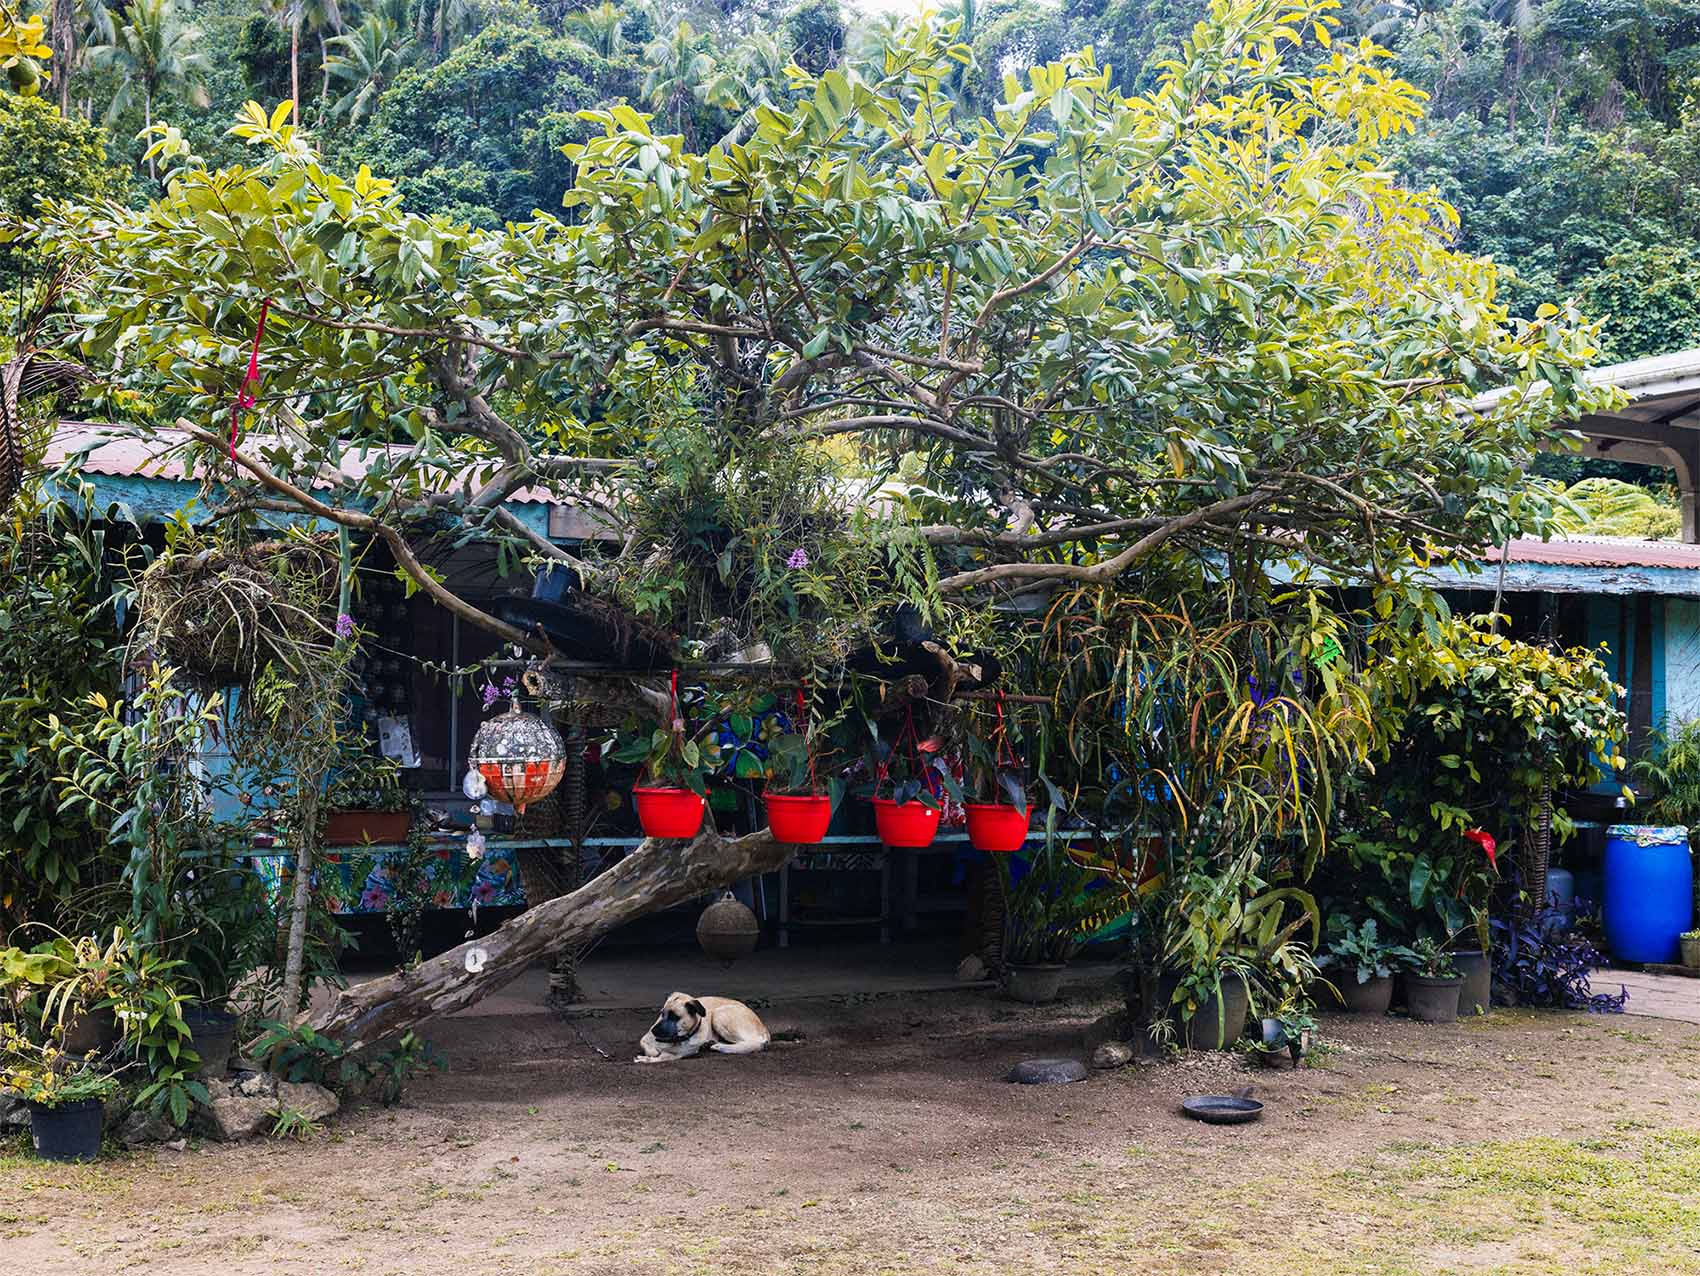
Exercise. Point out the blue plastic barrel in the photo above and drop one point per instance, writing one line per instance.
(1561, 890)
(1649, 891)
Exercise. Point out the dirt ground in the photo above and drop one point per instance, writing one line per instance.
(887, 1141)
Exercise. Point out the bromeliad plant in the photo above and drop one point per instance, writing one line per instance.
(1051, 909)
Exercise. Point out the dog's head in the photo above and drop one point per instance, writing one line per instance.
(681, 1015)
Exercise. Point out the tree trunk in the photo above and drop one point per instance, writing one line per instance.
(64, 41)
(300, 903)
(147, 120)
(659, 874)
(295, 72)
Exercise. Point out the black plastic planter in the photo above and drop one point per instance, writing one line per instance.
(67, 1133)
(1371, 997)
(1433, 1000)
(212, 1035)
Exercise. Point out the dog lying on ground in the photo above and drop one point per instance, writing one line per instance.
(689, 1025)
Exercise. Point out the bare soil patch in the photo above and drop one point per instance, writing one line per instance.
(888, 1141)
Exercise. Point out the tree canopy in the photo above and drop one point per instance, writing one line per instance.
(1061, 337)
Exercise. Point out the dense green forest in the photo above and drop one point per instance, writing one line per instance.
(1566, 133)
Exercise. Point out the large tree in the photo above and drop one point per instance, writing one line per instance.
(1079, 332)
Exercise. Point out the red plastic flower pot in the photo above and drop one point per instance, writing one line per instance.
(668, 812)
(997, 826)
(798, 818)
(910, 824)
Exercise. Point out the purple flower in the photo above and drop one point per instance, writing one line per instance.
(799, 559)
(344, 625)
(493, 692)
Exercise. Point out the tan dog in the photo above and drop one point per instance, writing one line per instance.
(689, 1025)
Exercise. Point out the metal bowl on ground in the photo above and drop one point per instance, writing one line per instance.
(1221, 1109)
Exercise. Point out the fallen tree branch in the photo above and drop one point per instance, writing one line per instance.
(659, 874)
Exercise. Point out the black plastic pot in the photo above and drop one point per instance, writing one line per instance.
(212, 1034)
(1220, 1018)
(1433, 1000)
(70, 1132)
(1372, 997)
(1477, 993)
(1035, 985)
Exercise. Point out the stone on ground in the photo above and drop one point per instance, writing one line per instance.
(1047, 1072)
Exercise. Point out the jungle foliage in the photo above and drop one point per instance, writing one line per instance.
(1563, 131)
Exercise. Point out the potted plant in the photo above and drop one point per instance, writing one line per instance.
(365, 802)
(1690, 941)
(232, 937)
(1226, 938)
(798, 810)
(1364, 966)
(65, 1092)
(1049, 910)
(911, 781)
(1287, 1033)
(676, 767)
(1432, 986)
(998, 813)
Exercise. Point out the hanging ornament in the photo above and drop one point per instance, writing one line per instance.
(728, 930)
(520, 756)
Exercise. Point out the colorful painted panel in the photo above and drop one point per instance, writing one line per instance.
(364, 881)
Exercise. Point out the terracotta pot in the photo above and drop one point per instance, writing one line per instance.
(910, 824)
(798, 818)
(357, 828)
(668, 812)
(997, 826)
(1034, 985)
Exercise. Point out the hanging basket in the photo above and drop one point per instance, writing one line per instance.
(798, 818)
(997, 826)
(520, 756)
(668, 812)
(910, 824)
(728, 930)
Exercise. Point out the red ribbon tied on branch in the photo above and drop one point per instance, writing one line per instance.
(245, 396)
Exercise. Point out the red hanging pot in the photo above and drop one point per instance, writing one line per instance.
(997, 826)
(798, 818)
(909, 824)
(668, 812)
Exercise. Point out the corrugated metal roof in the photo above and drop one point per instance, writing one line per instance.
(1603, 551)
(116, 451)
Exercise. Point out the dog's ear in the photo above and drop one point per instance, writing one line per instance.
(697, 1009)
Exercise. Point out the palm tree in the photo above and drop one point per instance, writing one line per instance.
(447, 22)
(683, 71)
(367, 59)
(153, 48)
(601, 30)
(757, 71)
(75, 26)
(295, 16)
